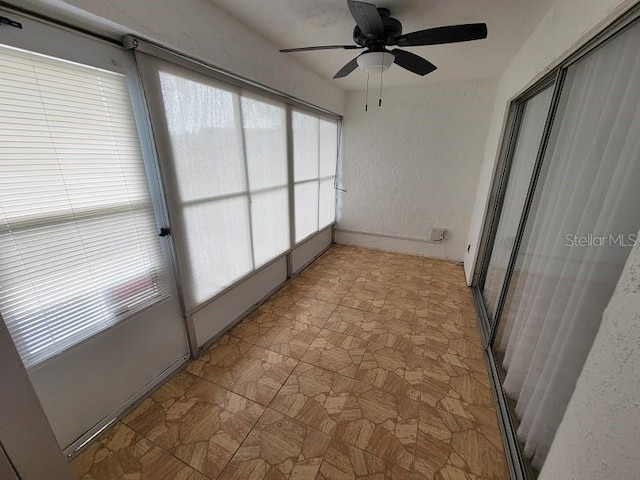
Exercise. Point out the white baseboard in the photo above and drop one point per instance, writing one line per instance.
(394, 243)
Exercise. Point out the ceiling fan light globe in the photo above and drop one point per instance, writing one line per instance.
(375, 62)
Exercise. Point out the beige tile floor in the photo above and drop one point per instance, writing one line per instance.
(368, 365)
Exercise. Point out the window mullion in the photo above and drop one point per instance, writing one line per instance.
(318, 177)
(237, 105)
(291, 178)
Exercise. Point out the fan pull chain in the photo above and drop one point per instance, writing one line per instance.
(380, 93)
(366, 98)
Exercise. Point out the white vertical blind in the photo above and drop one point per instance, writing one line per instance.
(226, 175)
(315, 153)
(79, 249)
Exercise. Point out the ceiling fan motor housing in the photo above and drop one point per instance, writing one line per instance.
(392, 30)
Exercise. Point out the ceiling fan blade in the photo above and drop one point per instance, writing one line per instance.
(367, 17)
(450, 34)
(347, 69)
(325, 47)
(413, 62)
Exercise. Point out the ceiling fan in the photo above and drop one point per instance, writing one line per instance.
(376, 30)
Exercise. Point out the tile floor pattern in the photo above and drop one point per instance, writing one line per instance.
(368, 365)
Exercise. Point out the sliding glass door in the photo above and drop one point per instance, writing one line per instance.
(571, 214)
(526, 144)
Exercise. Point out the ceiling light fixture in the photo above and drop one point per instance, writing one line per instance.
(375, 62)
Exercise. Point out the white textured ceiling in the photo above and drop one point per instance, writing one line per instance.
(300, 23)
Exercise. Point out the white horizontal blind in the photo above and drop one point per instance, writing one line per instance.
(315, 153)
(79, 249)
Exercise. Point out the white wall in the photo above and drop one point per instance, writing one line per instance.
(413, 164)
(199, 29)
(566, 26)
(25, 434)
(599, 434)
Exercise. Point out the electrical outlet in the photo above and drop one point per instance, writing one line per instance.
(437, 234)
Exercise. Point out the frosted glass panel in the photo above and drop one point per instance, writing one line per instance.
(224, 154)
(206, 140)
(315, 148)
(208, 181)
(265, 142)
(218, 246)
(328, 147)
(327, 210)
(270, 222)
(305, 146)
(227, 176)
(306, 198)
(264, 125)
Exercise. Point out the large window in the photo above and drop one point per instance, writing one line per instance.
(315, 153)
(79, 249)
(226, 174)
(224, 152)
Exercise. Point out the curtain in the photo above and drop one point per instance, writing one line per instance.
(584, 216)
